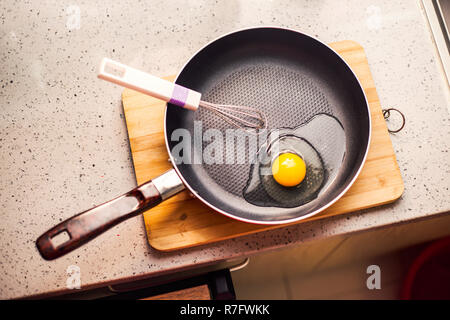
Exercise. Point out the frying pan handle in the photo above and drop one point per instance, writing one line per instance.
(134, 79)
(89, 224)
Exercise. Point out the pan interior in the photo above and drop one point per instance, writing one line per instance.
(291, 78)
(287, 98)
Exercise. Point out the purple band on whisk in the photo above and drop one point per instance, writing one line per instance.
(179, 95)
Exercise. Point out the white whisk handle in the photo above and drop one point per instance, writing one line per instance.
(134, 79)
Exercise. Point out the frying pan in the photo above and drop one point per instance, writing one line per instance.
(288, 75)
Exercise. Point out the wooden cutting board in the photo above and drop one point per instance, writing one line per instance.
(183, 221)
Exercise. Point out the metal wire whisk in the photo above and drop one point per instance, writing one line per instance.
(248, 119)
(245, 118)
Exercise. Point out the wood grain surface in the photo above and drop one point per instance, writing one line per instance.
(183, 221)
(194, 293)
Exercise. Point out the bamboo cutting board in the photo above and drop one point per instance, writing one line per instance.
(183, 221)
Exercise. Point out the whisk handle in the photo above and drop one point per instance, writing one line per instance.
(134, 79)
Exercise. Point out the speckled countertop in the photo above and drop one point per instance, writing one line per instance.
(63, 142)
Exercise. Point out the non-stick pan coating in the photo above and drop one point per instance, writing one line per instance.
(291, 77)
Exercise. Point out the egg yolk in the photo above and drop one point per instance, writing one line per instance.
(288, 169)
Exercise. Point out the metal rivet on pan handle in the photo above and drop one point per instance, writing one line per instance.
(387, 114)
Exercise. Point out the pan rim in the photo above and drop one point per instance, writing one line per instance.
(285, 221)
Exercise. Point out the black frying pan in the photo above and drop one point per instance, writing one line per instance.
(288, 75)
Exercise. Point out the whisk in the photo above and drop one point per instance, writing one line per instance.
(242, 117)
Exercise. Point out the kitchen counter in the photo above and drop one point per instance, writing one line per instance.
(63, 140)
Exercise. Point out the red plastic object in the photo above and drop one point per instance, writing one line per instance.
(429, 275)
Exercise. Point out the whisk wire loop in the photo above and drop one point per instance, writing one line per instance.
(246, 118)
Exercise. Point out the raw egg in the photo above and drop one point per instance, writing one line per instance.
(288, 169)
(295, 165)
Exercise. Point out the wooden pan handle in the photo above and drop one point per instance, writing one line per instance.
(89, 224)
